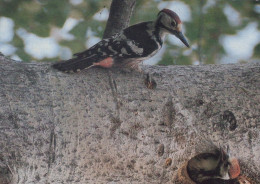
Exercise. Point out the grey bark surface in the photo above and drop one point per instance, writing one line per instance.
(90, 128)
(119, 16)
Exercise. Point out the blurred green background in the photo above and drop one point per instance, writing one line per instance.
(219, 31)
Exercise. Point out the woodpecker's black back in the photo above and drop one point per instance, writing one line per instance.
(143, 39)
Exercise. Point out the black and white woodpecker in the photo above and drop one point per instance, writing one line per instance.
(129, 47)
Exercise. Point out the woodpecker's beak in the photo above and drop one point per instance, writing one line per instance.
(179, 35)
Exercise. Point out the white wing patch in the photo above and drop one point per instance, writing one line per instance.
(111, 49)
(135, 48)
(124, 51)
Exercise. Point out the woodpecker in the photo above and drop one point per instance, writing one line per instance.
(213, 167)
(129, 47)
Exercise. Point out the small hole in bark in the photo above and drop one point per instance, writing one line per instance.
(199, 102)
(168, 162)
(229, 117)
(161, 150)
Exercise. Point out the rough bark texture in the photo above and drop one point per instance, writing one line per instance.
(119, 16)
(90, 128)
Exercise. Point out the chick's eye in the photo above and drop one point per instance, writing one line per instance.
(173, 24)
(226, 164)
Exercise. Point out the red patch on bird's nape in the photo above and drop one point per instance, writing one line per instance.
(172, 14)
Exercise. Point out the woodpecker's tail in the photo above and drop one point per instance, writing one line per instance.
(73, 65)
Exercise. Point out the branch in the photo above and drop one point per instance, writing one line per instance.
(200, 31)
(88, 128)
(119, 16)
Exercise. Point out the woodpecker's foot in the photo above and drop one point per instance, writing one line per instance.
(150, 82)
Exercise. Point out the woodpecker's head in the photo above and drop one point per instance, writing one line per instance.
(209, 166)
(170, 22)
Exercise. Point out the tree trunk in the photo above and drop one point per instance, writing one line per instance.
(119, 16)
(90, 128)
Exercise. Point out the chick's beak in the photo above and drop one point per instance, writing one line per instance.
(179, 35)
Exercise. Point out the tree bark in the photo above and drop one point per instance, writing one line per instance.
(88, 128)
(119, 16)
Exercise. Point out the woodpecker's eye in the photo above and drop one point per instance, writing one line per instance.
(173, 24)
(226, 164)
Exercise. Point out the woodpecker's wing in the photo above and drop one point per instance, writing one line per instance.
(84, 59)
(131, 44)
(118, 47)
(100, 47)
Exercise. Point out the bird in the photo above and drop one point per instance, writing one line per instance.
(213, 167)
(129, 47)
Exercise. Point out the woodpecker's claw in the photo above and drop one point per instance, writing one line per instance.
(150, 82)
